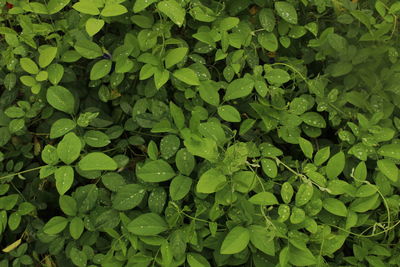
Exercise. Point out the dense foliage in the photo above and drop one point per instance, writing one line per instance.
(199, 133)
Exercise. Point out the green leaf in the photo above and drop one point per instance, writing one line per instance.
(334, 243)
(208, 91)
(69, 148)
(10, 80)
(287, 192)
(262, 239)
(229, 113)
(197, 260)
(42, 76)
(97, 161)
(187, 75)
(76, 228)
(335, 206)
(322, 155)
(268, 41)
(14, 112)
(93, 26)
(54, 6)
(155, 171)
(362, 17)
(55, 73)
(228, 23)
(88, 49)
(269, 167)
(390, 151)
(169, 145)
(306, 147)
(286, 11)
(113, 181)
(49, 155)
(96, 138)
(61, 127)
(157, 199)
(141, 5)
(243, 181)
(364, 204)
(177, 115)
(61, 98)
(304, 194)
(55, 225)
(161, 77)
(389, 169)
(313, 119)
(179, 187)
(210, 181)
(64, 176)
(302, 257)
(239, 88)
(128, 197)
(172, 10)
(236, 241)
(184, 161)
(147, 224)
(335, 165)
(277, 76)
(29, 65)
(337, 42)
(78, 257)
(366, 190)
(174, 56)
(112, 10)
(147, 71)
(339, 69)
(264, 198)
(267, 19)
(100, 69)
(14, 221)
(202, 147)
(47, 55)
(298, 215)
(68, 205)
(86, 7)
(16, 125)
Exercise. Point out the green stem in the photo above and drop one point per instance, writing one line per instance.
(21, 172)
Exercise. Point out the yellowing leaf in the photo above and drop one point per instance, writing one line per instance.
(12, 246)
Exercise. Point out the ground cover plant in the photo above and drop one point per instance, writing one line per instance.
(199, 133)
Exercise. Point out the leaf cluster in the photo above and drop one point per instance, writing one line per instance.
(199, 133)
